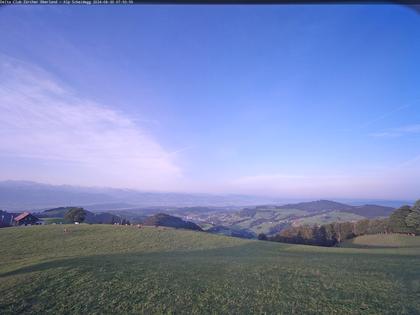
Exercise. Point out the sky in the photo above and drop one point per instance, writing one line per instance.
(308, 101)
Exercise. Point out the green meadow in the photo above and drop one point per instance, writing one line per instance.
(104, 269)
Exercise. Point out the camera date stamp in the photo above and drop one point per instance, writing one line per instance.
(68, 2)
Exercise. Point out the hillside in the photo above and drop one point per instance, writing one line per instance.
(371, 211)
(55, 212)
(121, 269)
(367, 211)
(328, 217)
(242, 233)
(271, 219)
(162, 219)
(317, 206)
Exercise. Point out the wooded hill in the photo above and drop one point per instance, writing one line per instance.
(368, 211)
(404, 220)
(162, 219)
(272, 219)
(89, 217)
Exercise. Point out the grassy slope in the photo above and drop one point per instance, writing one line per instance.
(117, 269)
(53, 220)
(383, 241)
(330, 217)
(273, 217)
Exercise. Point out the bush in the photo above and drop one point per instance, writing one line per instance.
(262, 237)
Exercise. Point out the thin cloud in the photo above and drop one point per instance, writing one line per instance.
(382, 117)
(387, 114)
(410, 129)
(42, 119)
(398, 132)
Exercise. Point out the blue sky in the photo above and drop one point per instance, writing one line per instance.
(290, 101)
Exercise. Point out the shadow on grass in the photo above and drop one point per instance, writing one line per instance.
(247, 254)
(250, 254)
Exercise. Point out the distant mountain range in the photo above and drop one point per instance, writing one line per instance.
(26, 195)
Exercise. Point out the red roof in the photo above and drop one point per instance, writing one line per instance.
(22, 216)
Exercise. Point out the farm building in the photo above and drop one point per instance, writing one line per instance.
(6, 218)
(26, 218)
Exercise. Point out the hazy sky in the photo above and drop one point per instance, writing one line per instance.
(291, 101)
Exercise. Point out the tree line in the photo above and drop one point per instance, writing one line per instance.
(405, 220)
(79, 215)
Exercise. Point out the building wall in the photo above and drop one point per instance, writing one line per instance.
(30, 219)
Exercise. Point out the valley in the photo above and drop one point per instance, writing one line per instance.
(271, 219)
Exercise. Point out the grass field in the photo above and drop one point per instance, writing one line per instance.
(330, 217)
(103, 269)
(383, 241)
(53, 220)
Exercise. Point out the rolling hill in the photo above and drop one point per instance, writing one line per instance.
(371, 211)
(27, 195)
(162, 219)
(106, 269)
(368, 211)
(317, 206)
(271, 219)
(223, 230)
(92, 218)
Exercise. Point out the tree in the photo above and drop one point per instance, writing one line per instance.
(331, 235)
(378, 226)
(397, 220)
(361, 227)
(413, 218)
(320, 235)
(75, 215)
(325, 235)
(337, 232)
(347, 230)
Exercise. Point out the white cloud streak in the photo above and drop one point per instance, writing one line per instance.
(398, 132)
(42, 119)
(387, 114)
